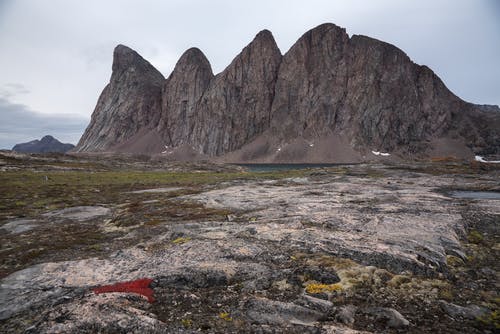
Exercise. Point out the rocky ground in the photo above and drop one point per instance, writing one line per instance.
(344, 249)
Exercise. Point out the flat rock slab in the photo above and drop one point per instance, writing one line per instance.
(19, 226)
(396, 226)
(80, 213)
(270, 312)
(156, 190)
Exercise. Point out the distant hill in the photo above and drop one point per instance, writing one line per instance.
(45, 145)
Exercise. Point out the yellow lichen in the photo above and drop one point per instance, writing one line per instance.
(187, 323)
(314, 288)
(181, 240)
(225, 316)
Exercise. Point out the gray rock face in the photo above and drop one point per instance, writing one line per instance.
(311, 83)
(236, 106)
(365, 89)
(468, 312)
(240, 98)
(181, 95)
(359, 90)
(131, 101)
(45, 145)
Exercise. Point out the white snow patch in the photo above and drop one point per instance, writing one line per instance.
(481, 159)
(381, 153)
(279, 149)
(311, 144)
(166, 150)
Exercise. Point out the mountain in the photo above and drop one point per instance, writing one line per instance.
(330, 98)
(45, 145)
(129, 104)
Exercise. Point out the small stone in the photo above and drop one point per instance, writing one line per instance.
(345, 314)
(317, 304)
(393, 317)
(466, 312)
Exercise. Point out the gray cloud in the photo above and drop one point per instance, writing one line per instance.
(20, 124)
(10, 90)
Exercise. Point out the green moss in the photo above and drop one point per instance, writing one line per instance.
(336, 262)
(96, 247)
(454, 261)
(446, 293)
(187, 323)
(491, 320)
(475, 237)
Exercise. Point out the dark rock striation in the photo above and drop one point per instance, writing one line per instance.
(364, 93)
(45, 145)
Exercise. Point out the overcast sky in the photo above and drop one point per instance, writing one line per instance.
(56, 55)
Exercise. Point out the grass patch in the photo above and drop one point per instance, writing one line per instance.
(28, 193)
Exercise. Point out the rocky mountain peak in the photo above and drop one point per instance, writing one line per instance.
(128, 62)
(265, 38)
(181, 94)
(128, 104)
(327, 90)
(236, 106)
(192, 59)
(324, 36)
(124, 57)
(47, 139)
(311, 84)
(265, 41)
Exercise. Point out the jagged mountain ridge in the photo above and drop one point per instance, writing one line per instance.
(328, 90)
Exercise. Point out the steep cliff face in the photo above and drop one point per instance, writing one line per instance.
(129, 102)
(327, 91)
(236, 106)
(397, 103)
(361, 88)
(181, 96)
(311, 84)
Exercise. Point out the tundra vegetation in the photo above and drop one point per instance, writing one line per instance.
(350, 249)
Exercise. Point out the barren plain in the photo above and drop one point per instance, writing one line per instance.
(363, 248)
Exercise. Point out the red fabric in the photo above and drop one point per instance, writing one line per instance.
(140, 286)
